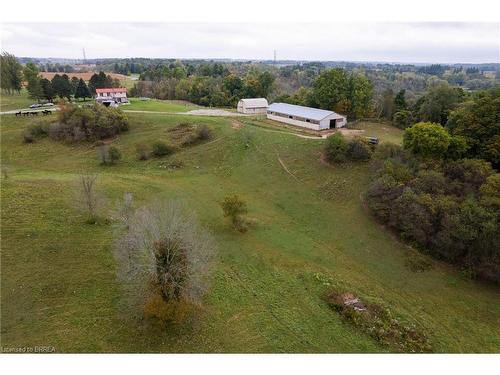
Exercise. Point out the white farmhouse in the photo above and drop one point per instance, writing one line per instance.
(112, 96)
(306, 117)
(255, 105)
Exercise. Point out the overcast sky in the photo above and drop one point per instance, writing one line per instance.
(394, 42)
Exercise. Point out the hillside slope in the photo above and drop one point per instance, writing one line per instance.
(58, 284)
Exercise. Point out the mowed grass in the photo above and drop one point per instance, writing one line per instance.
(157, 105)
(15, 101)
(58, 274)
(382, 131)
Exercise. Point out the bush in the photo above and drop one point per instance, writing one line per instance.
(114, 154)
(402, 119)
(28, 137)
(235, 208)
(142, 151)
(336, 148)
(162, 149)
(88, 123)
(204, 133)
(358, 149)
(102, 152)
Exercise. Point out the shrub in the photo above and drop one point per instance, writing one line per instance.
(203, 132)
(162, 149)
(114, 154)
(402, 119)
(336, 148)
(88, 123)
(358, 149)
(235, 208)
(102, 152)
(142, 151)
(28, 137)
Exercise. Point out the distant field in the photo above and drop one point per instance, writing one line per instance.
(58, 283)
(85, 76)
(159, 105)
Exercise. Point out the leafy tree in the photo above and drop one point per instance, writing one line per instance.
(479, 122)
(34, 86)
(11, 74)
(329, 89)
(82, 91)
(387, 104)
(62, 86)
(427, 140)
(438, 102)
(336, 148)
(402, 119)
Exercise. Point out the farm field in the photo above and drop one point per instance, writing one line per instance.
(157, 105)
(58, 276)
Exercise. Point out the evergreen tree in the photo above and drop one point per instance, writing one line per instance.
(400, 101)
(82, 91)
(48, 91)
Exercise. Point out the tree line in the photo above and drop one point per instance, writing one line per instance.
(440, 191)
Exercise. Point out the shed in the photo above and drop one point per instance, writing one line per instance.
(254, 105)
(306, 117)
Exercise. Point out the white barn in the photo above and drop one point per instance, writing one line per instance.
(255, 105)
(306, 117)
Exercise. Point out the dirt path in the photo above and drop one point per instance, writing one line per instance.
(285, 168)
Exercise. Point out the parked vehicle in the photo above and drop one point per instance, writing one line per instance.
(48, 105)
(35, 105)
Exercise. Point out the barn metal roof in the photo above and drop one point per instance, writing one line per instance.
(301, 111)
(114, 89)
(255, 102)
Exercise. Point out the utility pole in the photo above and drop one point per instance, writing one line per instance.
(84, 57)
(274, 58)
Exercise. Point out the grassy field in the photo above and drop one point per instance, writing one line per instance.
(157, 105)
(58, 284)
(15, 101)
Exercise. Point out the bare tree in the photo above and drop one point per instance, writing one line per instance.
(166, 257)
(87, 197)
(124, 211)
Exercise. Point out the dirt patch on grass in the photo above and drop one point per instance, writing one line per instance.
(350, 133)
(236, 125)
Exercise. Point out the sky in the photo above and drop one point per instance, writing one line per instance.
(436, 42)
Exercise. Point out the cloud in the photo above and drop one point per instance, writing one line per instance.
(397, 42)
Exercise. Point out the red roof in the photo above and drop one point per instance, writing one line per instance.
(119, 89)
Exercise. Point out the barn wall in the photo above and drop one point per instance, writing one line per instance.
(255, 110)
(287, 120)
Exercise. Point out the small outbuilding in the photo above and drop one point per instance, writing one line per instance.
(254, 105)
(306, 117)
